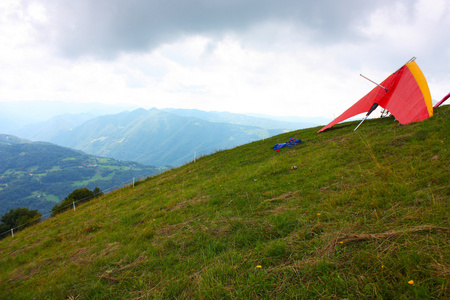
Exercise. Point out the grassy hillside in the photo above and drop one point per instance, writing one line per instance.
(343, 215)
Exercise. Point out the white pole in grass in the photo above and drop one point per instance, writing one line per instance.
(361, 122)
(12, 232)
(74, 209)
(133, 181)
(195, 154)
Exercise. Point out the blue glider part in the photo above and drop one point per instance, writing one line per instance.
(292, 142)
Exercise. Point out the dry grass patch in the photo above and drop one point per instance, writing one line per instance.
(113, 274)
(358, 238)
(109, 250)
(281, 197)
(171, 229)
(441, 270)
(28, 271)
(190, 202)
(82, 256)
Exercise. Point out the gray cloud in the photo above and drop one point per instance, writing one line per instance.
(104, 28)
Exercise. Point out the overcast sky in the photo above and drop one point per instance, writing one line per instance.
(279, 57)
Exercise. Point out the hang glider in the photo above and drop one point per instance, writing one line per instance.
(405, 94)
(442, 101)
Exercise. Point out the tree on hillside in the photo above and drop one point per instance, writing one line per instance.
(98, 192)
(77, 196)
(19, 218)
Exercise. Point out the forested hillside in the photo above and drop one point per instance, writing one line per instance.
(37, 175)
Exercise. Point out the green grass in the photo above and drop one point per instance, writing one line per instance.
(363, 214)
(52, 198)
(56, 168)
(98, 176)
(47, 197)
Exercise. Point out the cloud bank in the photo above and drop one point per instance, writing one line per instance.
(278, 57)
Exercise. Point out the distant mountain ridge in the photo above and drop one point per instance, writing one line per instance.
(241, 119)
(6, 139)
(166, 137)
(13, 116)
(47, 130)
(156, 137)
(38, 174)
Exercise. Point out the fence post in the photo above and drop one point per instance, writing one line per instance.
(195, 154)
(133, 182)
(74, 209)
(12, 232)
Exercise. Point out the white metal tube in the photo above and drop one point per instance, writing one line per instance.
(361, 122)
(373, 82)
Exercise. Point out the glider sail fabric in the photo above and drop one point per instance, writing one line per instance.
(407, 97)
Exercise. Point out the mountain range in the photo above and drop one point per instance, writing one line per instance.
(169, 137)
(266, 122)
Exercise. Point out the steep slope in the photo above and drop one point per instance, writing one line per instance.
(155, 137)
(37, 175)
(344, 215)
